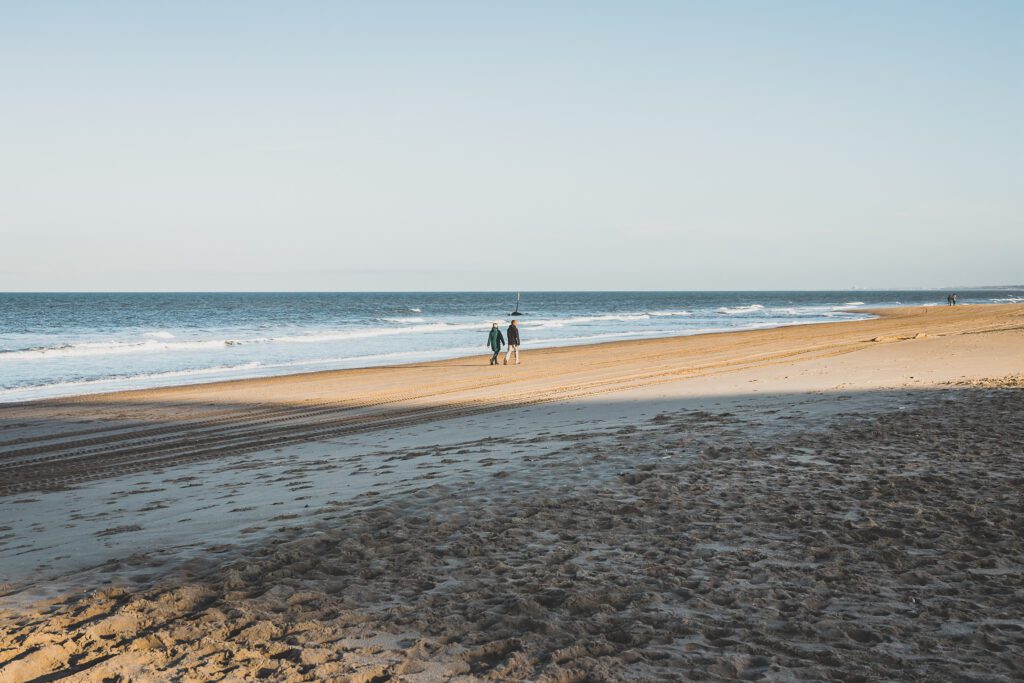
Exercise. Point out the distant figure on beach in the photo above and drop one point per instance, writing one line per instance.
(513, 341)
(951, 300)
(495, 341)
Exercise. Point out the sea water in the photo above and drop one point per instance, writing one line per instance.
(65, 344)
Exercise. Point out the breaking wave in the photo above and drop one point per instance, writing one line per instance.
(740, 310)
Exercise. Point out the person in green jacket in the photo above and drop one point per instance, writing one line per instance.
(495, 341)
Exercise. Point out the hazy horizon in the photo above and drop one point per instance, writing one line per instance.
(653, 146)
(950, 288)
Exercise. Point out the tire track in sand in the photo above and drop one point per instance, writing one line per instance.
(63, 465)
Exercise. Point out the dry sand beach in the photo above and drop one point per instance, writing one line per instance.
(837, 501)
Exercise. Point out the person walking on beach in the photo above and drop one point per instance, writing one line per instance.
(495, 341)
(513, 341)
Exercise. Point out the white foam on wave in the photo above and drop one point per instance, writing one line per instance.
(584, 319)
(666, 314)
(112, 348)
(404, 321)
(541, 343)
(108, 348)
(814, 311)
(805, 311)
(104, 383)
(217, 373)
(160, 334)
(740, 310)
(684, 332)
(374, 358)
(370, 332)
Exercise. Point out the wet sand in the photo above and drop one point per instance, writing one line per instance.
(829, 501)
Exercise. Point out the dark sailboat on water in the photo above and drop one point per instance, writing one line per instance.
(516, 312)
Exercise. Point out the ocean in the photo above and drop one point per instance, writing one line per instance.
(55, 345)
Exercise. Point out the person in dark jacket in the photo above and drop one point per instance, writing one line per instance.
(513, 341)
(495, 341)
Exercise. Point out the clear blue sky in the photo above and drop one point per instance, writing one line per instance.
(526, 145)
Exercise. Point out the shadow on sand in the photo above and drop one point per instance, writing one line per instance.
(849, 536)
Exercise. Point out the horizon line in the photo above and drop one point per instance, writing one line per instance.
(503, 291)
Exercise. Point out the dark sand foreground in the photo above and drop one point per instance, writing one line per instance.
(798, 504)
